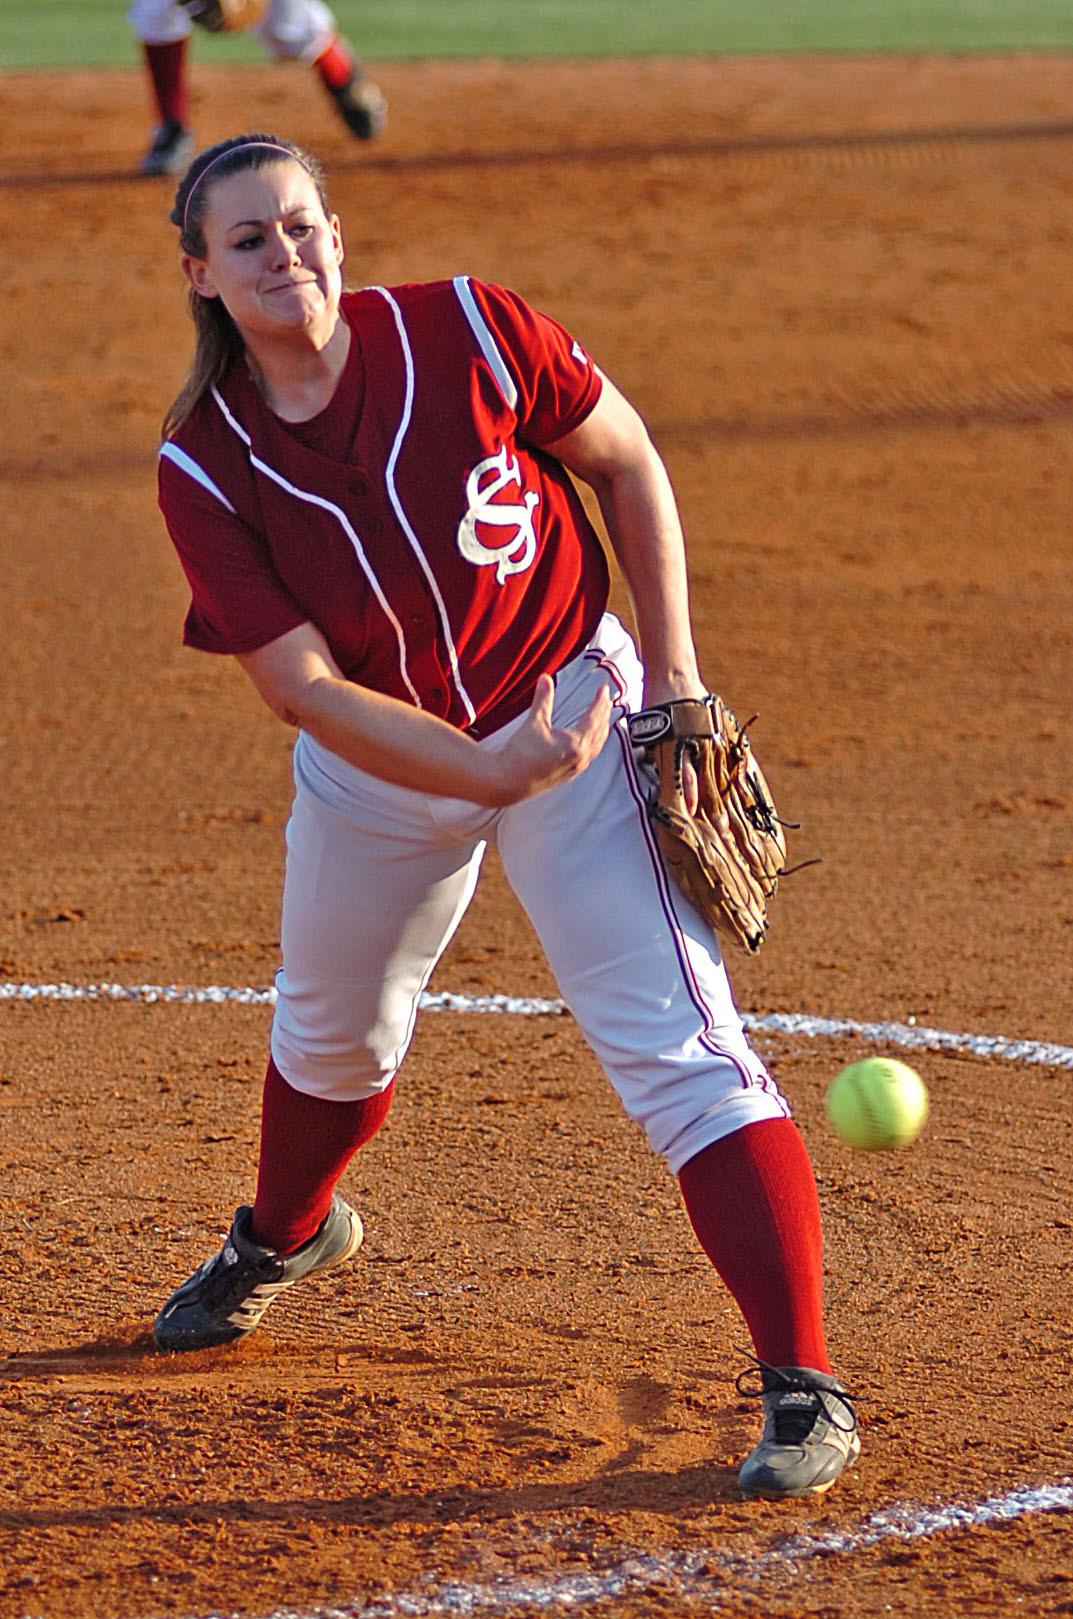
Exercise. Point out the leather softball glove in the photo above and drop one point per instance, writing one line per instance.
(727, 857)
(225, 16)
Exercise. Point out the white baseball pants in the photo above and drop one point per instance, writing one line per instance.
(378, 878)
(292, 29)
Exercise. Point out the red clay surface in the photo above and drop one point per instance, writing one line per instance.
(839, 291)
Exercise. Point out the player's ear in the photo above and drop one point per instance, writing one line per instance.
(197, 273)
(337, 237)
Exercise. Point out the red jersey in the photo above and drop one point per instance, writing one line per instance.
(417, 522)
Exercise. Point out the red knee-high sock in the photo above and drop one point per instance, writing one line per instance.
(751, 1198)
(336, 64)
(167, 71)
(306, 1143)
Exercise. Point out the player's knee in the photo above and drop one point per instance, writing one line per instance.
(699, 1104)
(715, 1123)
(335, 1071)
(299, 44)
(158, 22)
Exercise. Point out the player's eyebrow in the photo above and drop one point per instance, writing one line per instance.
(257, 224)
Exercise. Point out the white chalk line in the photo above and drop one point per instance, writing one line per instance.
(912, 1036)
(701, 1573)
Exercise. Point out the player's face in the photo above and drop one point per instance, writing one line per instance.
(271, 253)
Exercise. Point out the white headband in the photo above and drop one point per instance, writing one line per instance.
(243, 146)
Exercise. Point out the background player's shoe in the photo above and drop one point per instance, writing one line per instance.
(810, 1433)
(361, 106)
(227, 1296)
(170, 150)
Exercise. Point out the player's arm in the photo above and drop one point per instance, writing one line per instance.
(301, 683)
(612, 452)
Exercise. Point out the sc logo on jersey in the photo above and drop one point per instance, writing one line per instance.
(489, 515)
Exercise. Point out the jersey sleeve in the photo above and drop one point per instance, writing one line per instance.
(556, 383)
(237, 600)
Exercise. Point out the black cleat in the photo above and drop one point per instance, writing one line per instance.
(361, 106)
(227, 1296)
(171, 149)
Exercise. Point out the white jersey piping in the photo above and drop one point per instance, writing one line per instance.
(483, 333)
(400, 513)
(337, 512)
(187, 464)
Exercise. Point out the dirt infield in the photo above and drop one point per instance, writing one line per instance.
(839, 290)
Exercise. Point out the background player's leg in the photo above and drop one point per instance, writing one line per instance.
(163, 29)
(306, 30)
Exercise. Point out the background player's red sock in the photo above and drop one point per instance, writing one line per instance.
(336, 65)
(751, 1198)
(306, 1143)
(167, 70)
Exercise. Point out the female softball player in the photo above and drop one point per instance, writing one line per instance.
(369, 494)
(289, 30)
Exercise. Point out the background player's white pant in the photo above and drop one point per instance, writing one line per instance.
(378, 878)
(292, 29)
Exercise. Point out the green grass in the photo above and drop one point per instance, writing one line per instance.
(72, 33)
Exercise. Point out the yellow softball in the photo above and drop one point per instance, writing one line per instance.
(877, 1103)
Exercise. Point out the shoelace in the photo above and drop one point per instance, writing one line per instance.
(228, 1284)
(794, 1423)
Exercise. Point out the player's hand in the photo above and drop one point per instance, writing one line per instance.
(667, 692)
(541, 754)
(690, 785)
